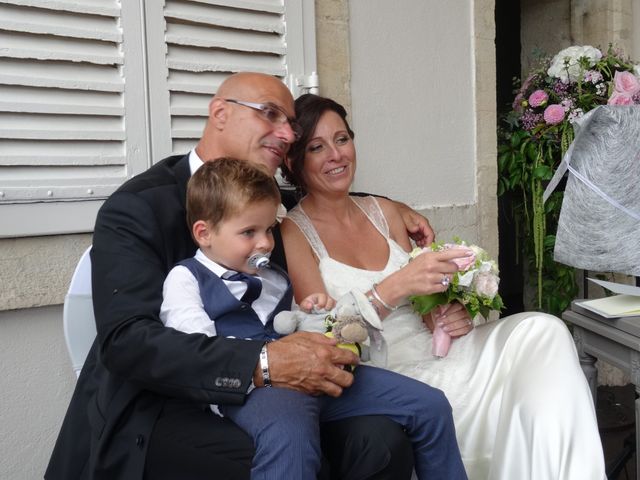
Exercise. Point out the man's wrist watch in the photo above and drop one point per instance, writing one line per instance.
(264, 366)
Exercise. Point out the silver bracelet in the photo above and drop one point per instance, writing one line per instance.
(264, 366)
(371, 300)
(376, 295)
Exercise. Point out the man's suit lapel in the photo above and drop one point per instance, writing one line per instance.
(182, 172)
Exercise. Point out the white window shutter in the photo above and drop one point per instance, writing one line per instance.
(66, 112)
(93, 91)
(204, 42)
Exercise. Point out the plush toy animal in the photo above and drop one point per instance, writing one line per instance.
(352, 321)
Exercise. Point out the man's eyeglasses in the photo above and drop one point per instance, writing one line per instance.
(273, 114)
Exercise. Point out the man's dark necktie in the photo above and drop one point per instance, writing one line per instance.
(254, 286)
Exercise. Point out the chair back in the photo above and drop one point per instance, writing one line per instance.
(77, 317)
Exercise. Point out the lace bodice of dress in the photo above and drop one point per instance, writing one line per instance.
(339, 278)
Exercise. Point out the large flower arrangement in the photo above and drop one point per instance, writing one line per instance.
(535, 136)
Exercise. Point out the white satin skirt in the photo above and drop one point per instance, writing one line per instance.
(521, 404)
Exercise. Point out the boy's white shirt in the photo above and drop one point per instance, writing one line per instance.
(182, 307)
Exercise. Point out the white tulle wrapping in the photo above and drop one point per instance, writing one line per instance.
(599, 224)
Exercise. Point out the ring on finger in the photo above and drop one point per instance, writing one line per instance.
(445, 280)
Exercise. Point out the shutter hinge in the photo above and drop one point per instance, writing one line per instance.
(300, 84)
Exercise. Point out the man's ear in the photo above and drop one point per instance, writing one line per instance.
(201, 231)
(218, 112)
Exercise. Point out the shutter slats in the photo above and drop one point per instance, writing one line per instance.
(110, 8)
(71, 76)
(222, 17)
(206, 83)
(273, 6)
(62, 129)
(240, 40)
(29, 20)
(208, 40)
(193, 60)
(38, 100)
(15, 152)
(60, 126)
(17, 45)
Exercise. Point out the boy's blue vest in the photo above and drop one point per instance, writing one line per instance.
(234, 318)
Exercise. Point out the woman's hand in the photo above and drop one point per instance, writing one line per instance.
(453, 318)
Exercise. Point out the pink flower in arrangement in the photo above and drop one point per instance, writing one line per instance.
(538, 98)
(618, 98)
(626, 82)
(467, 256)
(554, 114)
(517, 103)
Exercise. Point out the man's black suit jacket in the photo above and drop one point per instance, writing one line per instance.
(140, 233)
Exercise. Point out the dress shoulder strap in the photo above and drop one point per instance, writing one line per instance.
(371, 208)
(300, 218)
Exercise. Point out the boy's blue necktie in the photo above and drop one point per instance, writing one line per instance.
(254, 286)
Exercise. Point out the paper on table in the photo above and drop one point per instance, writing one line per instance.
(619, 288)
(625, 304)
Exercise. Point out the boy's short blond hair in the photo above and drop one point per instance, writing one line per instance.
(225, 186)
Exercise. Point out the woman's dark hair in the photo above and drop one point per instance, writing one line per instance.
(309, 109)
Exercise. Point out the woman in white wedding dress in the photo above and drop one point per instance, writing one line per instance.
(521, 404)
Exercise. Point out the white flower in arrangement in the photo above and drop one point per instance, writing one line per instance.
(570, 64)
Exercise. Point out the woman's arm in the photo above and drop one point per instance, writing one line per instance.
(302, 264)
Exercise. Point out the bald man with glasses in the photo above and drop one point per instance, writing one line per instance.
(140, 407)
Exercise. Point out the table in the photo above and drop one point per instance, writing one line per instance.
(616, 341)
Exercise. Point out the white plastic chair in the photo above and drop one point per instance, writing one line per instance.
(77, 317)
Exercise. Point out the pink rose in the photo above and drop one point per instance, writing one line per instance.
(627, 83)
(538, 98)
(517, 103)
(466, 259)
(554, 114)
(440, 342)
(618, 98)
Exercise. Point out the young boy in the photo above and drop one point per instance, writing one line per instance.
(232, 209)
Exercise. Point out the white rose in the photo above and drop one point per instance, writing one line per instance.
(465, 279)
(566, 66)
(486, 284)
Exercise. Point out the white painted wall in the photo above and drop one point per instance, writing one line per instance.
(35, 389)
(412, 100)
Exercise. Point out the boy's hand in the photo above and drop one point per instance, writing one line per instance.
(317, 301)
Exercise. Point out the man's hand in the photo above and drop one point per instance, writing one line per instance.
(310, 363)
(418, 226)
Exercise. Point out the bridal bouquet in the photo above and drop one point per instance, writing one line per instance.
(475, 286)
